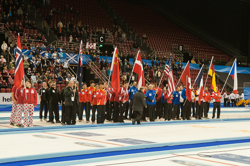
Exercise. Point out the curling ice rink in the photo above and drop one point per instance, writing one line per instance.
(210, 142)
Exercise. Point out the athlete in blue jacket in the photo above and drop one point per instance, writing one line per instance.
(176, 103)
(132, 90)
(151, 101)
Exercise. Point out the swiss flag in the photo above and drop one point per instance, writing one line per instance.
(138, 69)
(115, 80)
(186, 79)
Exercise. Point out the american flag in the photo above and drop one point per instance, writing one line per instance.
(169, 72)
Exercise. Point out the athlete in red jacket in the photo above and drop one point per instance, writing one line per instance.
(29, 101)
(18, 95)
(89, 99)
(206, 103)
(168, 105)
(101, 104)
(94, 102)
(216, 96)
(158, 102)
(83, 98)
(14, 106)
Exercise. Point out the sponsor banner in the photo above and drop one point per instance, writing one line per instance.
(5, 98)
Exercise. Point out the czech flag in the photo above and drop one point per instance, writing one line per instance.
(233, 74)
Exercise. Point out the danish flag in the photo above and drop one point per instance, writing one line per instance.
(19, 70)
(138, 69)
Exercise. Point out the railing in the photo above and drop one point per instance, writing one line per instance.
(96, 70)
(246, 84)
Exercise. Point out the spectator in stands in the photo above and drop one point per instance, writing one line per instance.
(65, 65)
(60, 49)
(5, 74)
(12, 72)
(193, 61)
(54, 55)
(51, 49)
(64, 74)
(180, 66)
(104, 72)
(10, 82)
(60, 24)
(28, 73)
(157, 75)
(2, 62)
(20, 13)
(135, 45)
(68, 78)
(45, 63)
(59, 78)
(4, 46)
(26, 65)
(33, 79)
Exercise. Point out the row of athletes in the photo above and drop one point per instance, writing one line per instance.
(101, 98)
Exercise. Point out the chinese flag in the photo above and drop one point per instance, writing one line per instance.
(115, 80)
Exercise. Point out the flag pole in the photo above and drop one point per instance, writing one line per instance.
(181, 74)
(77, 68)
(227, 76)
(208, 71)
(198, 74)
(133, 67)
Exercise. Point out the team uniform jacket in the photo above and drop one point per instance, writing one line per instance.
(207, 96)
(150, 96)
(132, 90)
(30, 96)
(168, 97)
(216, 97)
(14, 88)
(101, 98)
(19, 94)
(83, 96)
(176, 98)
(90, 94)
(120, 95)
(111, 94)
(158, 93)
(94, 97)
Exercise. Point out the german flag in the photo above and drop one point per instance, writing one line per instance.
(212, 74)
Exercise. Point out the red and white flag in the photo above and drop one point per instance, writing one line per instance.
(138, 69)
(19, 70)
(115, 80)
(186, 79)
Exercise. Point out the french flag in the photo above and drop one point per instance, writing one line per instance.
(19, 70)
(199, 82)
(233, 74)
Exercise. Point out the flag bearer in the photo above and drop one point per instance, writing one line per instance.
(89, 100)
(216, 96)
(101, 104)
(132, 90)
(83, 96)
(29, 101)
(14, 106)
(168, 105)
(176, 103)
(19, 94)
(151, 102)
(94, 102)
(122, 97)
(206, 103)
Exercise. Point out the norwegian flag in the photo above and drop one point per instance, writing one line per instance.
(19, 70)
(138, 69)
(169, 73)
(79, 68)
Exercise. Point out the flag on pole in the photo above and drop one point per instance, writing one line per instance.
(115, 80)
(233, 74)
(169, 73)
(199, 82)
(79, 68)
(138, 69)
(19, 70)
(212, 74)
(186, 79)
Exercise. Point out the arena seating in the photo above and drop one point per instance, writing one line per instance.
(161, 33)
